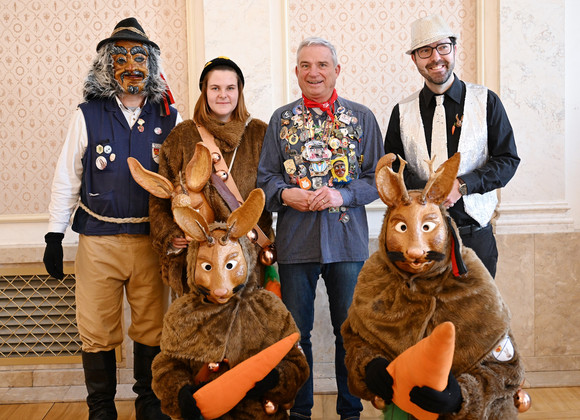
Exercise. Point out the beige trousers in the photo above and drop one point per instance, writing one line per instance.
(107, 266)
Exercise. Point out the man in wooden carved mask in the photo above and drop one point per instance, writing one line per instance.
(126, 112)
(130, 65)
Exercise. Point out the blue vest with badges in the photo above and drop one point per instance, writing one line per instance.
(107, 188)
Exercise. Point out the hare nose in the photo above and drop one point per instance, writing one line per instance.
(220, 292)
(415, 253)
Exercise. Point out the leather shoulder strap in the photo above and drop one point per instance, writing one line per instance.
(224, 182)
(219, 163)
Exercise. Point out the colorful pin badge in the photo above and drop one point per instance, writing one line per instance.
(304, 183)
(101, 162)
(290, 166)
(458, 122)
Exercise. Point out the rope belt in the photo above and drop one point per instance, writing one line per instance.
(117, 220)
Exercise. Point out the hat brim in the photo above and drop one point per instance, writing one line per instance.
(430, 40)
(127, 37)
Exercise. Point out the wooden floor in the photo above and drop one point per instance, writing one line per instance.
(547, 404)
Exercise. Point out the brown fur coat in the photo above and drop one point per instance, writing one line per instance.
(197, 332)
(174, 156)
(392, 310)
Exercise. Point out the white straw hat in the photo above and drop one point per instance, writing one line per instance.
(429, 29)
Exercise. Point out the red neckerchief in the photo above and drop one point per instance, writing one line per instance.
(325, 106)
(457, 265)
(167, 99)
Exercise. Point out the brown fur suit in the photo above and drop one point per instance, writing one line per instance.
(196, 332)
(175, 154)
(393, 309)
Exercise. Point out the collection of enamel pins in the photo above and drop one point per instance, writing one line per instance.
(105, 151)
(317, 147)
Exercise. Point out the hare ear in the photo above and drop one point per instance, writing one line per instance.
(441, 182)
(199, 168)
(156, 184)
(390, 185)
(192, 223)
(386, 160)
(245, 217)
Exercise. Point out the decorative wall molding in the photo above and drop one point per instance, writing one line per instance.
(514, 218)
(546, 217)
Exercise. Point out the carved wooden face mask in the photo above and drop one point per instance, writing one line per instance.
(221, 269)
(417, 232)
(130, 66)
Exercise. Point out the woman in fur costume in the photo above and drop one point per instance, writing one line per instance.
(415, 282)
(221, 110)
(225, 319)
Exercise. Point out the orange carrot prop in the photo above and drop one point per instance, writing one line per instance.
(223, 393)
(427, 363)
(272, 281)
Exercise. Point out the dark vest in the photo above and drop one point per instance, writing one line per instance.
(108, 188)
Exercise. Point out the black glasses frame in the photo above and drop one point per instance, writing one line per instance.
(438, 47)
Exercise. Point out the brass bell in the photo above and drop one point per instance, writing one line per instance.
(268, 256)
(252, 235)
(270, 407)
(522, 400)
(223, 175)
(378, 403)
(216, 157)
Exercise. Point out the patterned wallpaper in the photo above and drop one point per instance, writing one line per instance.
(46, 48)
(371, 38)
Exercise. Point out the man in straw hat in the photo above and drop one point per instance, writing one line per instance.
(471, 120)
(127, 112)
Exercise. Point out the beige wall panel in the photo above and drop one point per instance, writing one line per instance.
(46, 50)
(371, 38)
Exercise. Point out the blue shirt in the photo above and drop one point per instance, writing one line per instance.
(293, 151)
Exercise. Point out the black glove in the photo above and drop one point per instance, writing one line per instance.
(378, 380)
(187, 404)
(447, 401)
(263, 386)
(53, 254)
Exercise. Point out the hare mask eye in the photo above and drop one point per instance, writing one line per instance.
(206, 266)
(231, 264)
(428, 226)
(401, 227)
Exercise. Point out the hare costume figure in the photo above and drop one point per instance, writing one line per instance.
(226, 317)
(421, 277)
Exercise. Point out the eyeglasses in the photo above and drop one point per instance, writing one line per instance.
(443, 49)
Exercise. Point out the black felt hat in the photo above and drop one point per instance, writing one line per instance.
(220, 61)
(128, 30)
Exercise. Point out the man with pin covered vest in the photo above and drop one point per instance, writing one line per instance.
(317, 170)
(126, 112)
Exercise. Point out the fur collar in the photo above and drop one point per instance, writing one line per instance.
(227, 135)
(196, 330)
